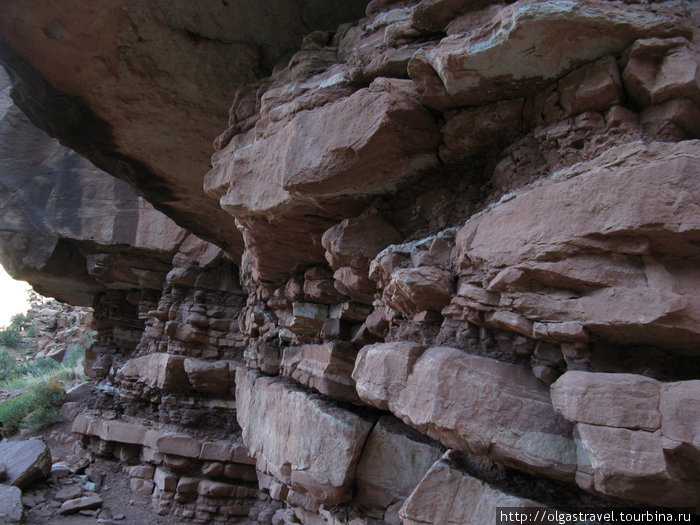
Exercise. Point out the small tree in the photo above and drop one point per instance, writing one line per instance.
(17, 321)
(8, 365)
(12, 335)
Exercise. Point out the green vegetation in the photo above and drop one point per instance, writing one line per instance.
(32, 389)
(8, 364)
(12, 335)
(43, 382)
(37, 407)
(13, 375)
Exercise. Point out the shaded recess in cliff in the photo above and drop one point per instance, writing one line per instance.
(443, 249)
(67, 227)
(143, 91)
(70, 120)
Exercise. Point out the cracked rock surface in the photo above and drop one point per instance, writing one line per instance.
(442, 259)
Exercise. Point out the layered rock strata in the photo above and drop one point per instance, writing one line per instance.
(628, 417)
(470, 237)
(166, 307)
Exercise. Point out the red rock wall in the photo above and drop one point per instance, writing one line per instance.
(537, 235)
(470, 240)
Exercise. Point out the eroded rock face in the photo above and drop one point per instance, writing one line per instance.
(477, 217)
(59, 327)
(475, 67)
(173, 53)
(626, 273)
(370, 141)
(464, 499)
(65, 222)
(364, 153)
(323, 463)
(638, 435)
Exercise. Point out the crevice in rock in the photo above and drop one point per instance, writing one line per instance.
(547, 491)
(649, 361)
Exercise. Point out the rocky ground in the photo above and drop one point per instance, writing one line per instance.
(99, 479)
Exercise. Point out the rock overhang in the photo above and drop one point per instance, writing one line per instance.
(142, 91)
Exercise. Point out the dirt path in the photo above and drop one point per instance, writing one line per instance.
(120, 505)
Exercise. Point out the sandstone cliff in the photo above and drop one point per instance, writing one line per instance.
(444, 258)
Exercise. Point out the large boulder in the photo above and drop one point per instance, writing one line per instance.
(158, 370)
(660, 69)
(613, 400)
(472, 404)
(412, 290)
(463, 498)
(633, 465)
(679, 408)
(529, 44)
(381, 371)
(11, 508)
(215, 378)
(320, 464)
(393, 462)
(613, 257)
(326, 368)
(638, 436)
(354, 242)
(25, 461)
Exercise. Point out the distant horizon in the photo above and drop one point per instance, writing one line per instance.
(14, 297)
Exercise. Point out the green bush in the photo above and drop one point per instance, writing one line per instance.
(44, 381)
(12, 335)
(24, 382)
(17, 321)
(75, 356)
(42, 417)
(35, 408)
(8, 365)
(37, 367)
(49, 392)
(14, 410)
(10, 371)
